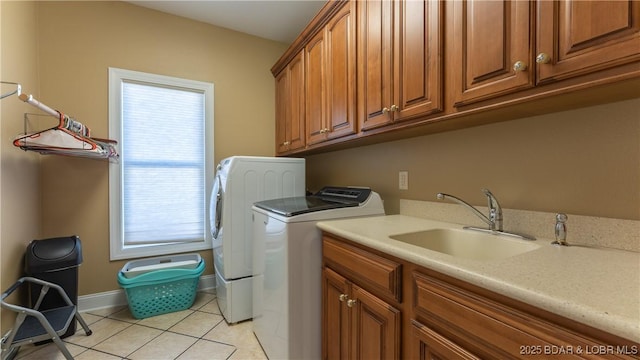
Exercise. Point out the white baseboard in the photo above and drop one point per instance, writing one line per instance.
(118, 298)
(102, 300)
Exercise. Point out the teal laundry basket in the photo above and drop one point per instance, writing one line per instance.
(161, 291)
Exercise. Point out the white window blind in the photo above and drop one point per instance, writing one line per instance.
(159, 203)
(163, 163)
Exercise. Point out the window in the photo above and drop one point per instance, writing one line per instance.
(158, 192)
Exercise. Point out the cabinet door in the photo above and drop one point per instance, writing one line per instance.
(418, 52)
(375, 70)
(290, 106)
(427, 344)
(376, 327)
(331, 79)
(341, 73)
(491, 38)
(585, 36)
(297, 101)
(335, 316)
(316, 89)
(282, 111)
(400, 48)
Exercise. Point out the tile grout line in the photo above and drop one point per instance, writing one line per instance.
(111, 315)
(163, 331)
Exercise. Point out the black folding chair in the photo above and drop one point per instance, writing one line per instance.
(34, 325)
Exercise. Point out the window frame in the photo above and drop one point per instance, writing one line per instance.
(118, 250)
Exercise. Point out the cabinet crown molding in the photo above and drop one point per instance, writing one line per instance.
(322, 17)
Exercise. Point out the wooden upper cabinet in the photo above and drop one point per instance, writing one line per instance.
(419, 53)
(362, 68)
(316, 89)
(500, 49)
(331, 78)
(282, 86)
(290, 105)
(492, 50)
(578, 37)
(400, 66)
(341, 72)
(375, 71)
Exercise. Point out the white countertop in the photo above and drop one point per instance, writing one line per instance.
(599, 287)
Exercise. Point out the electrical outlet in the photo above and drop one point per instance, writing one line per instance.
(403, 180)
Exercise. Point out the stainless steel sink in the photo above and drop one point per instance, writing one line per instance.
(467, 243)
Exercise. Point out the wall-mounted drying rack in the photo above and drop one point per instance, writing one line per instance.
(18, 89)
(70, 137)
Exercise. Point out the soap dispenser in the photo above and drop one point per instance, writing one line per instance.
(561, 230)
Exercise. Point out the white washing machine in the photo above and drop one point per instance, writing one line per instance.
(287, 264)
(240, 181)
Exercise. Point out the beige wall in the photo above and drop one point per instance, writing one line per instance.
(78, 41)
(584, 162)
(20, 191)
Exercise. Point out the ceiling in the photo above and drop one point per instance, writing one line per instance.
(274, 20)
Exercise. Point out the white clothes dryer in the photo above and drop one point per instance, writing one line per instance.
(240, 181)
(287, 265)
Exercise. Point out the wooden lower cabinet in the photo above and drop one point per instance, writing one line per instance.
(335, 320)
(477, 326)
(427, 344)
(368, 313)
(376, 327)
(356, 323)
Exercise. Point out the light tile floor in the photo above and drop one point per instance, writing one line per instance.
(197, 333)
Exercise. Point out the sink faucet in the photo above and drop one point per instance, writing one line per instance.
(495, 211)
(495, 215)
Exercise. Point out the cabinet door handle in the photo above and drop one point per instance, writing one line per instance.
(543, 58)
(519, 66)
(351, 303)
(286, 143)
(390, 109)
(343, 297)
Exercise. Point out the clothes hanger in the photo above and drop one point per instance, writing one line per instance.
(70, 137)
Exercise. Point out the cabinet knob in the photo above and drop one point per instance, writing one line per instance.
(351, 303)
(286, 143)
(543, 58)
(324, 131)
(390, 109)
(519, 66)
(343, 297)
